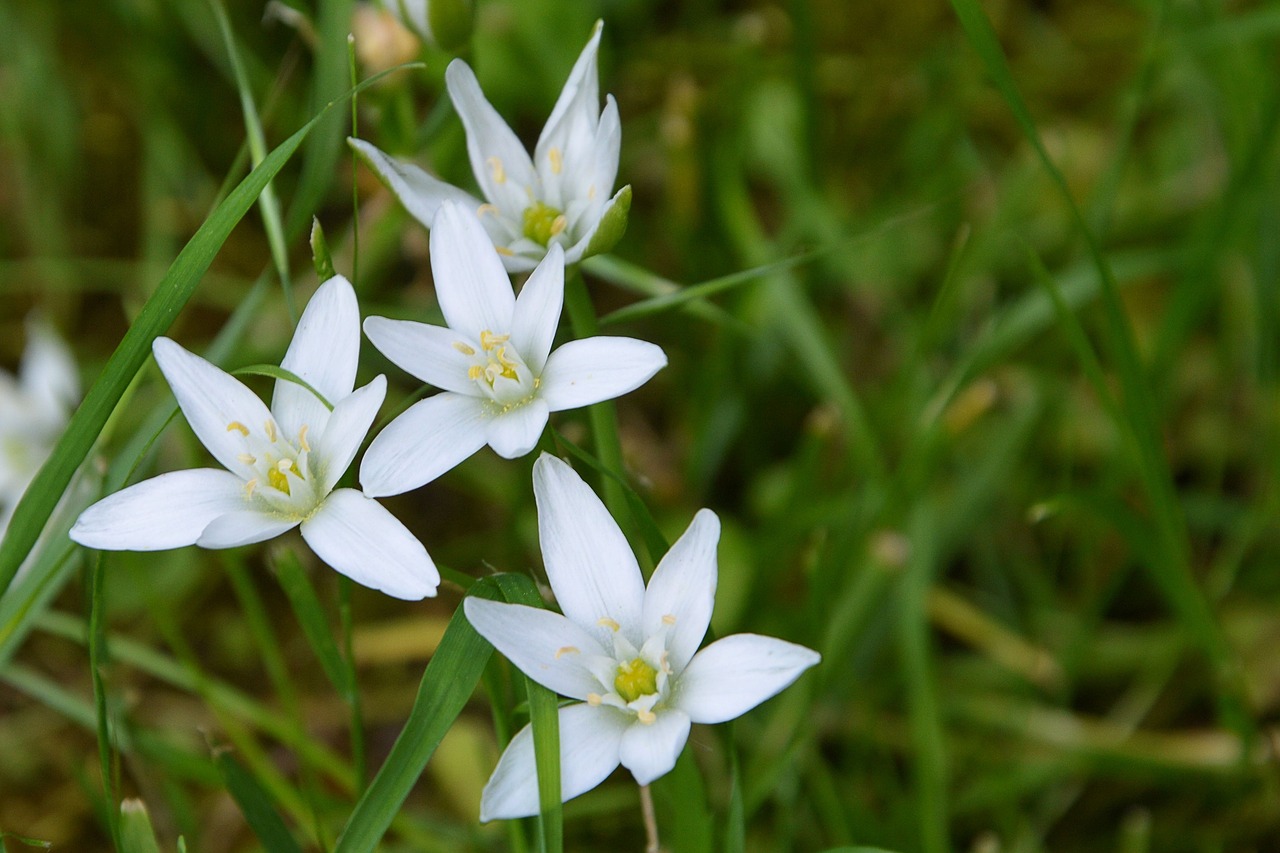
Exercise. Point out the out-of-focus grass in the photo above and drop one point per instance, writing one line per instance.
(915, 473)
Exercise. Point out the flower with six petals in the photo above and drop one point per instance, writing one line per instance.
(494, 362)
(281, 463)
(560, 197)
(630, 653)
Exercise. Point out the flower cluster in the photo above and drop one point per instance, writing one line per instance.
(629, 654)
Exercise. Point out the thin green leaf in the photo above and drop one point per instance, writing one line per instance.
(255, 804)
(735, 831)
(173, 292)
(97, 662)
(447, 684)
(320, 256)
(314, 621)
(136, 832)
(274, 371)
(22, 839)
(683, 810)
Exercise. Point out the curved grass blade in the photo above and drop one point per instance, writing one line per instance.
(136, 833)
(276, 372)
(255, 804)
(33, 511)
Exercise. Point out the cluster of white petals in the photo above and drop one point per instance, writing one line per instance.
(281, 463)
(494, 362)
(34, 407)
(559, 197)
(627, 652)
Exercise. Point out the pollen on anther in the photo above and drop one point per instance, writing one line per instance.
(606, 622)
(236, 426)
(668, 619)
(249, 487)
(463, 348)
(557, 162)
(270, 428)
(499, 174)
(486, 208)
(302, 439)
(594, 698)
(503, 250)
(475, 371)
(566, 650)
(647, 717)
(558, 224)
(248, 458)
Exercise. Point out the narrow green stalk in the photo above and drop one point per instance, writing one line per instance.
(97, 660)
(346, 624)
(603, 416)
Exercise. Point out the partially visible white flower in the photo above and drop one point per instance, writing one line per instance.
(494, 362)
(446, 23)
(282, 463)
(629, 653)
(561, 197)
(34, 408)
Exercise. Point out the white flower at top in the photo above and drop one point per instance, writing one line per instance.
(560, 197)
(494, 362)
(630, 654)
(282, 463)
(34, 408)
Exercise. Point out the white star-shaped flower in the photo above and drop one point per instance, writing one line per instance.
(34, 408)
(494, 362)
(282, 463)
(629, 653)
(560, 197)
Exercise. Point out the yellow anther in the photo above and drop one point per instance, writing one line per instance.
(486, 208)
(668, 619)
(463, 348)
(270, 427)
(558, 224)
(248, 458)
(664, 662)
(238, 427)
(609, 623)
(249, 487)
(503, 250)
(647, 717)
(302, 439)
(594, 698)
(475, 371)
(566, 650)
(284, 465)
(499, 174)
(488, 340)
(591, 192)
(557, 162)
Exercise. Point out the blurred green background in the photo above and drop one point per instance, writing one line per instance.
(1026, 509)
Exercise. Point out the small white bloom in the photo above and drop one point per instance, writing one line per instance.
(34, 408)
(629, 653)
(558, 198)
(282, 463)
(500, 379)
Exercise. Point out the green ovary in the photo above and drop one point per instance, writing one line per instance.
(542, 222)
(635, 679)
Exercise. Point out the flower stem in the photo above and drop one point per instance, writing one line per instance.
(603, 416)
(650, 821)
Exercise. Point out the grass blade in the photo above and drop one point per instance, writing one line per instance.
(136, 833)
(255, 804)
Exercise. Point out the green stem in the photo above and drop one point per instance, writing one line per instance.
(357, 709)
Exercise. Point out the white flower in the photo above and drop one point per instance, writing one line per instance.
(445, 23)
(282, 463)
(630, 653)
(34, 409)
(559, 198)
(494, 362)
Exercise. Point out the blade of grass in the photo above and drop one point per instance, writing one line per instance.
(33, 511)
(313, 621)
(255, 804)
(96, 641)
(136, 832)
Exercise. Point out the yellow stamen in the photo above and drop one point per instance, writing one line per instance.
(270, 427)
(609, 623)
(566, 650)
(238, 427)
(668, 619)
(475, 371)
(486, 209)
(488, 340)
(591, 192)
(594, 698)
(558, 224)
(249, 487)
(503, 250)
(665, 662)
(463, 348)
(302, 439)
(248, 458)
(557, 162)
(499, 174)
(647, 717)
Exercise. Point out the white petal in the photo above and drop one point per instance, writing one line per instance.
(650, 751)
(244, 527)
(427, 439)
(473, 289)
(579, 99)
(48, 372)
(543, 645)
(357, 536)
(168, 511)
(425, 351)
(589, 741)
(212, 400)
(501, 165)
(333, 450)
(420, 193)
(323, 353)
(589, 563)
(733, 675)
(594, 369)
(514, 433)
(682, 591)
(607, 149)
(537, 312)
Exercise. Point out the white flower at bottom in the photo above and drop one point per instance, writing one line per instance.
(629, 653)
(282, 463)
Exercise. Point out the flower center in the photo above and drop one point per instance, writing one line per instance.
(542, 222)
(277, 462)
(635, 679)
